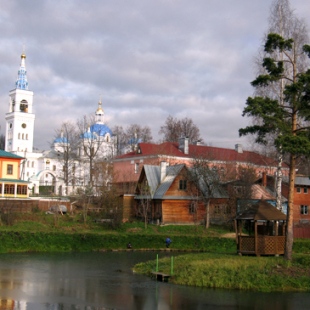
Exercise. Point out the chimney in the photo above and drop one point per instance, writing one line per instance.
(183, 145)
(264, 179)
(238, 148)
(163, 170)
(198, 142)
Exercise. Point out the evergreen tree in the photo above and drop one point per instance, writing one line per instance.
(287, 119)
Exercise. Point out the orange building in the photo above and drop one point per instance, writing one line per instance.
(11, 186)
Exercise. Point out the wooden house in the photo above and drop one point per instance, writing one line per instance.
(265, 225)
(11, 185)
(165, 195)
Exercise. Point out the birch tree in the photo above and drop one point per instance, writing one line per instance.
(287, 120)
(283, 21)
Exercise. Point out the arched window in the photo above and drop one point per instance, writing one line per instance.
(23, 106)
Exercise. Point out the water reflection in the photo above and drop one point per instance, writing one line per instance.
(96, 281)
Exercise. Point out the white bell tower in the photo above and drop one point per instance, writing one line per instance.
(20, 119)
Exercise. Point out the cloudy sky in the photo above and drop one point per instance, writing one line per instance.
(145, 59)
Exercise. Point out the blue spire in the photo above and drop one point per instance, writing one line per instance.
(21, 82)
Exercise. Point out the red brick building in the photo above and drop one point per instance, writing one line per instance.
(301, 199)
(127, 167)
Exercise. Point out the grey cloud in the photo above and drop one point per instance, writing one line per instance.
(147, 59)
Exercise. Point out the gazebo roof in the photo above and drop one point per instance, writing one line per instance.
(262, 211)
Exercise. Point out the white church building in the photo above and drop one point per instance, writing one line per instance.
(43, 169)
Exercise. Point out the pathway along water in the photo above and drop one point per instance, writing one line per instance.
(104, 280)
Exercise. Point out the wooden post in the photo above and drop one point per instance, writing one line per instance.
(255, 237)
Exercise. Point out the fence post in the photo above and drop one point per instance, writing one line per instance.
(156, 263)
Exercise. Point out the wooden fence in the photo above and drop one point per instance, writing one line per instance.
(302, 232)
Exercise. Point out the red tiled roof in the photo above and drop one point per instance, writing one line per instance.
(213, 153)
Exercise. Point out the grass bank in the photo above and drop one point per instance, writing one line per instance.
(230, 271)
(42, 232)
(25, 241)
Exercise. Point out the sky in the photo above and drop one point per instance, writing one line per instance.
(144, 59)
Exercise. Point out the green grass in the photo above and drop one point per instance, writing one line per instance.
(235, 272)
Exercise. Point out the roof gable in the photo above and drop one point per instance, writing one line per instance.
(172, 173)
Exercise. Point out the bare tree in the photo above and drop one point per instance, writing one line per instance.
(127, 140)
(136, 134)
(2, 142)
(94, 144)
(111, 208)
(103, 176)
(66, 146)
(120, 139)
(205, 178)
(144, 201)
(174, 129)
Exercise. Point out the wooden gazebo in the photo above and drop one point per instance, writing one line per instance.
(265, 225)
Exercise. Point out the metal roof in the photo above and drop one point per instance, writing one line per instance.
(6, 180)
(9, 155)
(172, 172)
(299, 180)
(159, 188)
(153, 177)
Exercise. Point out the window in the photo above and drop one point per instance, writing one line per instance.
(305, 190)
(21, 190)
(183, 185)
(303, 209)
(217, 209)
(54, 167)
(192, 208)
(9, 189)
(9, 169)
(136, 167)
(298, 189)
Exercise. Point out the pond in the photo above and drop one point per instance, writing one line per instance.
(104, 280)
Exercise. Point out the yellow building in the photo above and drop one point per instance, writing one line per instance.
(11, 186)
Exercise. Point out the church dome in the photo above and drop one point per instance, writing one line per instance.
(61, 140)
(100, 129)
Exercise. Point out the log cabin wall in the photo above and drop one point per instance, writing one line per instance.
(181, 212)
